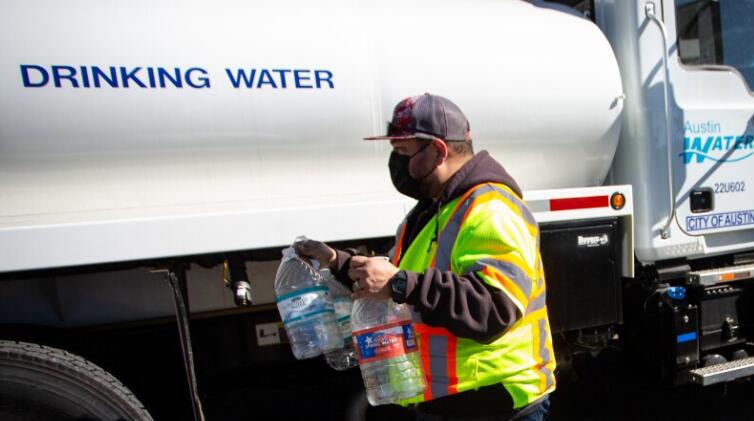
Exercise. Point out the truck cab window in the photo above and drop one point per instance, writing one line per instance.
(717, 32)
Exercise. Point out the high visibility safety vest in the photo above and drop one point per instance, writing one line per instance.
(490, 231)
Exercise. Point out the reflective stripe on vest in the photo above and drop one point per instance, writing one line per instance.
(450, 231)
(544, 355)
(510, 276)
(437, 352)
(437, 346)
(399, 244)
(475, 194)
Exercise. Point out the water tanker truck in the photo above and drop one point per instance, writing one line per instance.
(188, 142)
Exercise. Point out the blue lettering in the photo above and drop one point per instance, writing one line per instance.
(707, 144)
(323, 76)
(241, 75)
(84, 76)
(44, 77)
(97, 73)
(695, 223)
(701, 128)
(64, 72)
(126, 76)
(281, 73)
(203, 81)
(176, 80)
(299, 77)
(150, 76)
(265, 77)
(35, 76)
(695, 147)
(722, 220)
(728, 139)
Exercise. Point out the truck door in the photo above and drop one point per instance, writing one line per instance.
(712, 74)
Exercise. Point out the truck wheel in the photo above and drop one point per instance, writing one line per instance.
(41, 383)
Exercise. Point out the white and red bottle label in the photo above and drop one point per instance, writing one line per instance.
(385, 341)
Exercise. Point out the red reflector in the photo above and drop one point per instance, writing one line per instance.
(579, 203)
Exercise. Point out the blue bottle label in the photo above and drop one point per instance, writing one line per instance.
(409, 336)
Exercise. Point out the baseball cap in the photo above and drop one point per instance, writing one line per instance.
(426, 117)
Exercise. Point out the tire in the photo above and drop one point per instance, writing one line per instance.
(41, 383)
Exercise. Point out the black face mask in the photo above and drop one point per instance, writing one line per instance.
(401, 177)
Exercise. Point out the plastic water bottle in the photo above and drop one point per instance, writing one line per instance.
(344, 357)
(305, 307)
(386, 349)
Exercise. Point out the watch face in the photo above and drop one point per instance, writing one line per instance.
(399, 284)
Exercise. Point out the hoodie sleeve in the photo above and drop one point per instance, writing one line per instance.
(339, 266)
(495, 275)
(465, 305)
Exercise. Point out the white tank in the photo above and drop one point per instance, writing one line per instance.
(158, 128)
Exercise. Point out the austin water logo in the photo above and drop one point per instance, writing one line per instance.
(704, 141)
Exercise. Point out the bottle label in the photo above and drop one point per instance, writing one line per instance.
(385, 341)
(343, 315)
(344, 324)
(304, 303)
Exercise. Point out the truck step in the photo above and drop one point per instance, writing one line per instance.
(718, 373)
(717, 276)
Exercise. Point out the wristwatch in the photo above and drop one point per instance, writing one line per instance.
(398, 286)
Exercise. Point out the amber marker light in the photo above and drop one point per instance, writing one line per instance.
(617, 201)
(727, 277)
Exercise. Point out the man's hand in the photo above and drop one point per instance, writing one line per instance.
(372, 275)
(316, 250)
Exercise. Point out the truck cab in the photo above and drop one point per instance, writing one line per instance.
(686, 148)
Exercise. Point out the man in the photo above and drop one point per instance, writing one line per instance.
(466, 260)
